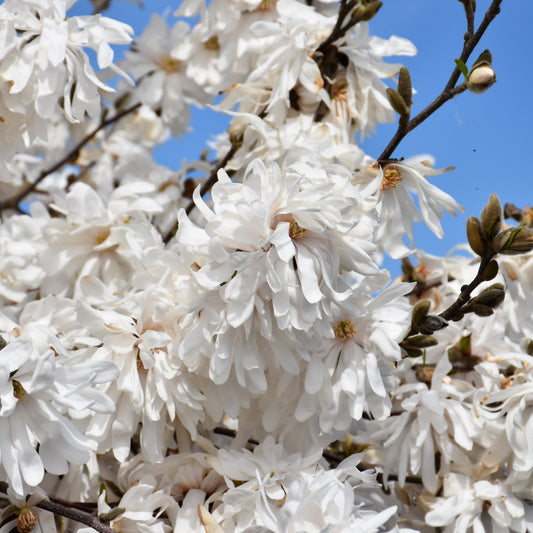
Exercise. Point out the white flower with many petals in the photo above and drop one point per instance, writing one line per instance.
(392, 187)
(38, 384)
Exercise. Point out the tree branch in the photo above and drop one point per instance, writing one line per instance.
(14, 201)
(68, 509)
(450, 90)
(466, 291)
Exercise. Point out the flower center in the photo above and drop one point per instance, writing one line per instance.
(169, 64)
(212, 43)
(391, 178)
(26, 520)
(266, 5)
(296, 231)
(101, 236)
(344, 329)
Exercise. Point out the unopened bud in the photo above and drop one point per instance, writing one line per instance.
(491, 217)
(514, 241)
(367, 12)
(405, 88)
(397, 102)
(489, 298)
(412, 351)
(476, 236)
(491, 270)
(420, 311)
(111, 515)
(420, 341)
(482, 75)
(482, 310)
(431, 324)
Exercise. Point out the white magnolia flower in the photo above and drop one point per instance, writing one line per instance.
(280, 492)
(365, 94)
(142, 506)
(48, 60)
(158, 60)
(38, 386)
(481, 506)
(349, 376)
(392, 186)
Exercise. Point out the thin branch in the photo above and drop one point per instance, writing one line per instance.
(404, 129)
(450, 90)
(14, 201)
(76, 515)
(466, 291)
(68, 509)
(469, 12)
(338, 30)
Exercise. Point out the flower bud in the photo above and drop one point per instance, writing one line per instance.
(514, 241)
(431, 323)
(491, 217)
(476, 236)
(484, 303)
(111, 515)
(405, 88)
(397, 102)
(366, 12)
(491, 270)
(420, 311)
(482, 75)
(419, 341)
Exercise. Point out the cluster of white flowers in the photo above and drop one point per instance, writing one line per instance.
(239, 361)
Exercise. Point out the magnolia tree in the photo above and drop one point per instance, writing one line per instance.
(217, 349)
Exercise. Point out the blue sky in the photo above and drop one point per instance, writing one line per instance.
(487, 137)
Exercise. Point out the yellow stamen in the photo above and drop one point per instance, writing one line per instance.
(344, 329)
(391, 178)
(169, 64)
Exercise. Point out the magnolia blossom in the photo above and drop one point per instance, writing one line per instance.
(392, 187)
(38, 385)
(216, 348)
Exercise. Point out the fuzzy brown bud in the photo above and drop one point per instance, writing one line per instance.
(514, 241)
(491, 217)
(367, 12)
(476, 236)
(405, 88)
(397, 102)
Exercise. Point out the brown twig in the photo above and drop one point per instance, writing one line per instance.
(466, 291)
(69, 510)
(450, 90)
(14, 201)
